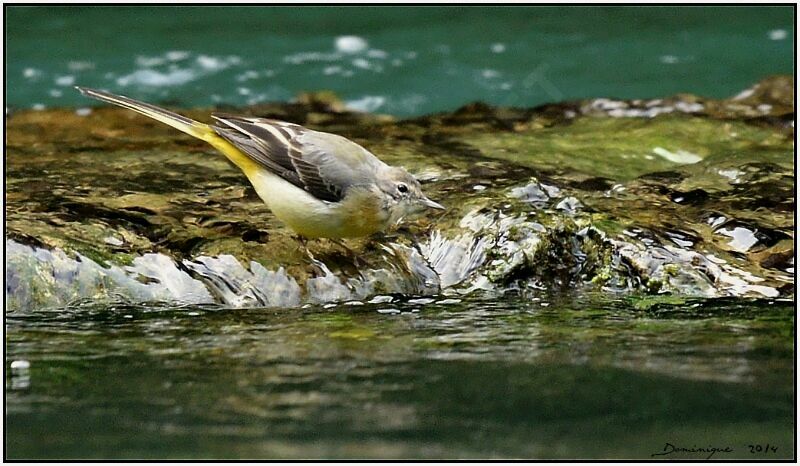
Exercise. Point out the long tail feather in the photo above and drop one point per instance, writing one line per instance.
(180, 122)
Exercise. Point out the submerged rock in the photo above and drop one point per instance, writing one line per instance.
(600, 194)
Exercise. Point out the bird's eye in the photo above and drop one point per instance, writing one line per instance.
(402, 188)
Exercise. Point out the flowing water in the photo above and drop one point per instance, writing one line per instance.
(612, 278)
(402, 61)
(550, 377)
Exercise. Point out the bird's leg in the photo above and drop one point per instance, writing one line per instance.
(358, 262)
(319, 266)
(386, 237)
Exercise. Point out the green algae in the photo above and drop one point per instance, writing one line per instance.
(621, 149)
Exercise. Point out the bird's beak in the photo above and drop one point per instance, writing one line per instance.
(432, 204)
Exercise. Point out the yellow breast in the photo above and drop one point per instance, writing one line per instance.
(360, 213)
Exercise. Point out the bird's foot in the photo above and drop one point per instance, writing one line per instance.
(317, 265)
(358, 261)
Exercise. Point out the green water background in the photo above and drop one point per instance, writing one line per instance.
(404, 61)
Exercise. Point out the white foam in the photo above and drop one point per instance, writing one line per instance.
(350, 44)
(327, 288)
(146, 61)
(777, 34)
(176, 55)
(20, 364)
(31, 73)
(742, 239)
(689, 107)
(210, 63)
(80, 65)
(361, 63)
(731, 173)
(303, 57)
(368, 103)
(41, 277)
(744, 94)
(238, 287)
(66, 80)
(454, 259)
(377, 53)
(489, 73)
(247, 75)
(155, 78)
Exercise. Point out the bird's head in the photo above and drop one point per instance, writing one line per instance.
(403, 193)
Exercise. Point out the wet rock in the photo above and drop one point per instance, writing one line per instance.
(769, 102)
(698, 200)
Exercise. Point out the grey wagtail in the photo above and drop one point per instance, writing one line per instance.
(319, 184)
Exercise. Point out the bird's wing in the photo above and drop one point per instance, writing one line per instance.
(323, 164)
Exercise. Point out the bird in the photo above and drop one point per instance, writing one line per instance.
(320, 185)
